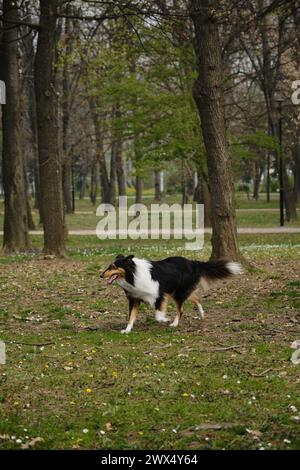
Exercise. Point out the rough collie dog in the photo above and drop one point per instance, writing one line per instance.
(155, 282)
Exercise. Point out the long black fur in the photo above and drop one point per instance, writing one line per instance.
(177, 276)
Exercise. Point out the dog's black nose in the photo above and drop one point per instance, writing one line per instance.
(101, 275)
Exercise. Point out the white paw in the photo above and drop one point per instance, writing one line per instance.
(174, 324)
(125, 332)
(201, 317)
(201, 311)
(160, 317)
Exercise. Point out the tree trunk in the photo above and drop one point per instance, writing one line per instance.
(257, 179)
(268, 181)
(47, 130)
(104, 179)
(82, 185)
(33, 125)
(290, 199)
(113, 175)
(157, 192)
(202, 196)
(67, 185)
(120, 168)
(66, 169)
(94, 181)
(296, 159)
(138, 189)
(289, 202)
(184, 192)
(118, 149)
(15, 236)
(208, 97)
(31, 225)
(29, 40)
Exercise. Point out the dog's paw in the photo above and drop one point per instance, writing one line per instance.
(200, 318)
(161, 317)
(174, 324)
(125, 331)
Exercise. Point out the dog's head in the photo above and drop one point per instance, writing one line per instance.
(118, 269)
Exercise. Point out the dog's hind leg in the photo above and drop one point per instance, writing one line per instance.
(133, 311)
(194, 298)
(179, 313)
(161, 309)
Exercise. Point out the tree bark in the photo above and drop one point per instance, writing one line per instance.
(157, 192)
(120, 168)
(290, 199)
(82, 184)
(31, 225)
(258, 172)
(94, 181)
(268, 181)
(15, 236)
(296, 169)
(50, 172)
(202, 196)
(119, 155)
(208, 97)
(28, 41)
(33, 125)
(113, 175)
(138, 189)
(67, 185)
(66, 169)
(104, 179)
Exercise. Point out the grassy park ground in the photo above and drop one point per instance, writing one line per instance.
(73, 381)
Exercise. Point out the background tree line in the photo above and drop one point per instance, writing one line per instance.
(105, 93)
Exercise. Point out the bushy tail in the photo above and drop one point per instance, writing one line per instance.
(211, 271)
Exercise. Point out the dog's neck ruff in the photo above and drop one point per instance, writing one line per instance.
(143, 287)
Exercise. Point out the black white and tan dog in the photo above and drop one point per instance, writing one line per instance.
(155, 282)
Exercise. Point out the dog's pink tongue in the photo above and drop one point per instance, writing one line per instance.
(110, 280)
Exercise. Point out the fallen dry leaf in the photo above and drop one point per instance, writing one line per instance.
(108, 426)
(32, 442)
(254, 432)
(215, 426)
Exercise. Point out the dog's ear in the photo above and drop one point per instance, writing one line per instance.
(120, 257)
(129, 258)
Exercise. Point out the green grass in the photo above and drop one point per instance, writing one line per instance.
(74, 381)
(262, 246)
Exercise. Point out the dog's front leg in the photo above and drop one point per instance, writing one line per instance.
(161, 309)
(133, 311)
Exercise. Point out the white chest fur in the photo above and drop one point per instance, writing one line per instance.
(144, 287)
